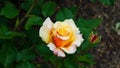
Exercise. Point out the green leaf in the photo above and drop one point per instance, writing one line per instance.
(25, 55)
(86, 28)
(85, 45)
(33, 20)
(87, 58)
(25, 65)
(9, 10)
(70, 63)
(26, 4)
(43, 49)
(36, 9)
(108, 2)
(86, 32)
(33, 35)
(48, 9)
(7, 55)
(83, 23)
(64, 14)
(6, 34)
(74, 9)
(59, 61)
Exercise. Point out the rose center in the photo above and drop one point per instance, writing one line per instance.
(63, 31)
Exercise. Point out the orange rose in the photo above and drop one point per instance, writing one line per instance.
(61, 36)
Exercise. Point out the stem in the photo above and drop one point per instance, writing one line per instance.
(17, 20)
(26, 15)
(17, 23)
(27, 12)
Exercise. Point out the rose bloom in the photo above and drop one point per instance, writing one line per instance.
(61, 36)
(94, 38)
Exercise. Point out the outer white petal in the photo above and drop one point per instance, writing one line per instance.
(45, 30)
(72, 24)
(70, 50)
(55, 50)
(48, 23)
(59, 52)
(51, 46)
(57, 24)
(78, 40)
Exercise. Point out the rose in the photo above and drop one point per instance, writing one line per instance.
(94, 38)
(61, 36)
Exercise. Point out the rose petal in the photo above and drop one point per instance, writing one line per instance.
(78, 40)
(59, 52)
(72, 24)
(63, 37)
(70, 50)
(45, 30)
(56, 51)
(48, 23)
(51, 46)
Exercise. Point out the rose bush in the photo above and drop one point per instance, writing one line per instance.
(26, 39)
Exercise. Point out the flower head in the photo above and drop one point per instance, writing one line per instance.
(94, 38)
(61, 36)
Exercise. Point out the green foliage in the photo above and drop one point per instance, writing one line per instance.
(87, 58)
(48, 9)
(64, 14)
(88, 24)
(20, 44)
(74, 9)
(9, 10)
(86, 27)
(7, 34)
(70, 63)
(25, 65)
(25, 55)
(33, 36)
(43, 50)
(7, 55)
(33, 20)
(36, 9)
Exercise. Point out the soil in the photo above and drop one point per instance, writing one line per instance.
(107, 53)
